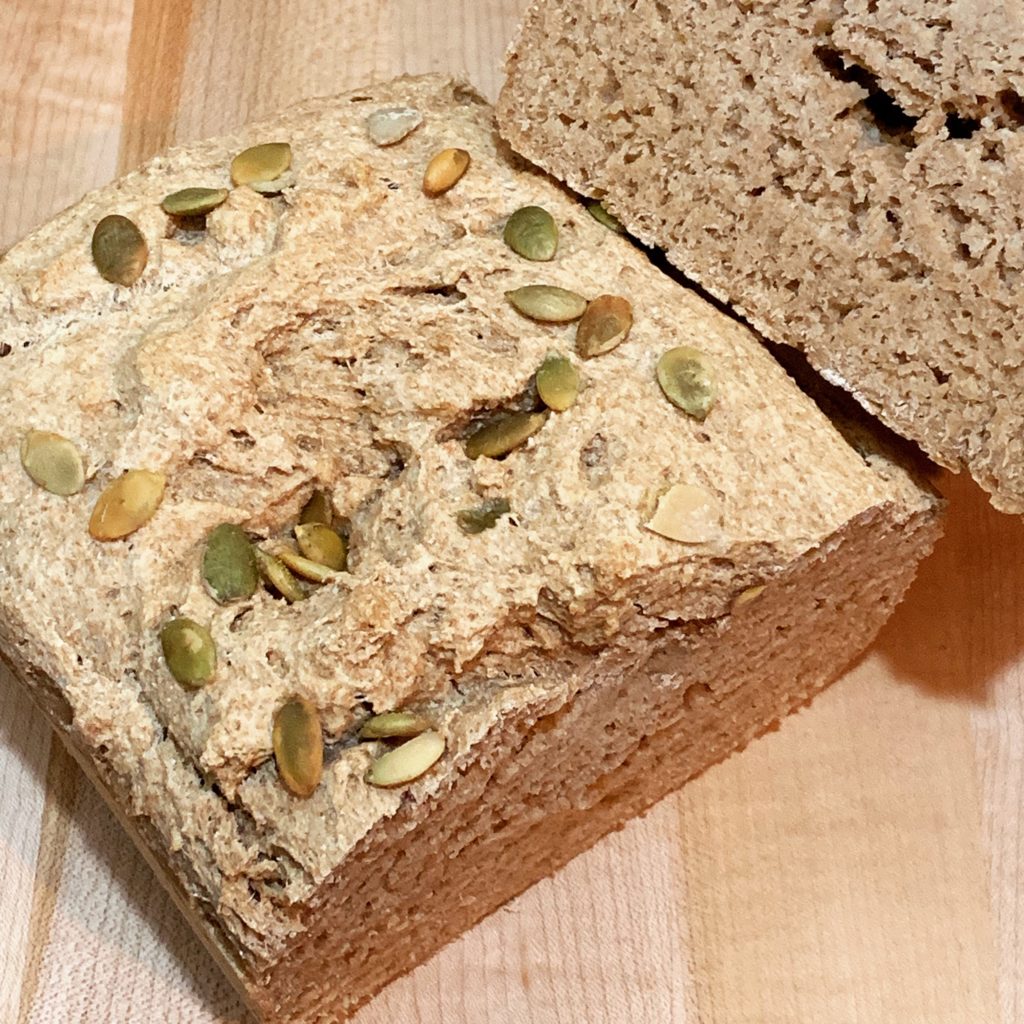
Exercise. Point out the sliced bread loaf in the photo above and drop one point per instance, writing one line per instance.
(850, 178)
(572, 609)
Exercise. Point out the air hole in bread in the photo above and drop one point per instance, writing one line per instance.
(242, 438)
(958, 127)
(448, 292)
(1011, 107)
(879, 109)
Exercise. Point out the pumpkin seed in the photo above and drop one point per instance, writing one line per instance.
(279, 576)
(444, 170)
(531, 232)
(321, 544)
(392, 124)
(392, 724)
(686, 513)
(407, 762)
(118, 250)
(547, 303)
(299, 746)
(746, 596)
(483, 516)
(304, 567)
(52, 462)
(602, 216)
(605, 325)
(686, 377)
(229, 564)
(189, 651)
(498, 436)
(128, 503)
(265, 162)
(193, 202)
(558, 382)
(318, 509)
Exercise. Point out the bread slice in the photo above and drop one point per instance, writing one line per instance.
(348, 335)
(848, 178)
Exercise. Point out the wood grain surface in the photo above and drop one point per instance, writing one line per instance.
(860, 865)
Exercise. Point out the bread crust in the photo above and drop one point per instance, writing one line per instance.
(344, 335)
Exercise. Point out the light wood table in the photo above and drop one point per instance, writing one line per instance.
(860, 865)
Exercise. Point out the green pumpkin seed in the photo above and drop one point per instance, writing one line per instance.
(266, 162)
(304, 567)
(408, 762)
(189, 651)
(318, 509)
(547, 303)
(392, 124)
(229, 564)
(558, 382)
(531, 232)
(193, 202)
(686, 513)
(52, 462)
(299, 746)
(498, 436)
(605, 325)
(119, 250)
(392, 724)
(279, 576)
(602, 216)
(444, 170)
(483, 516)
(127, 504)
(321, 544)
(686, 376)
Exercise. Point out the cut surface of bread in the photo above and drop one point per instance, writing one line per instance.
(848, 177)
(343, 332)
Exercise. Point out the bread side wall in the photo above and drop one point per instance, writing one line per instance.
(556, 778)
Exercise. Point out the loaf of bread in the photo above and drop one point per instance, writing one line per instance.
(534, 589)
(850, 178)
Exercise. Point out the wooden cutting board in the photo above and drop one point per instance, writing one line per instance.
(860, 865)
